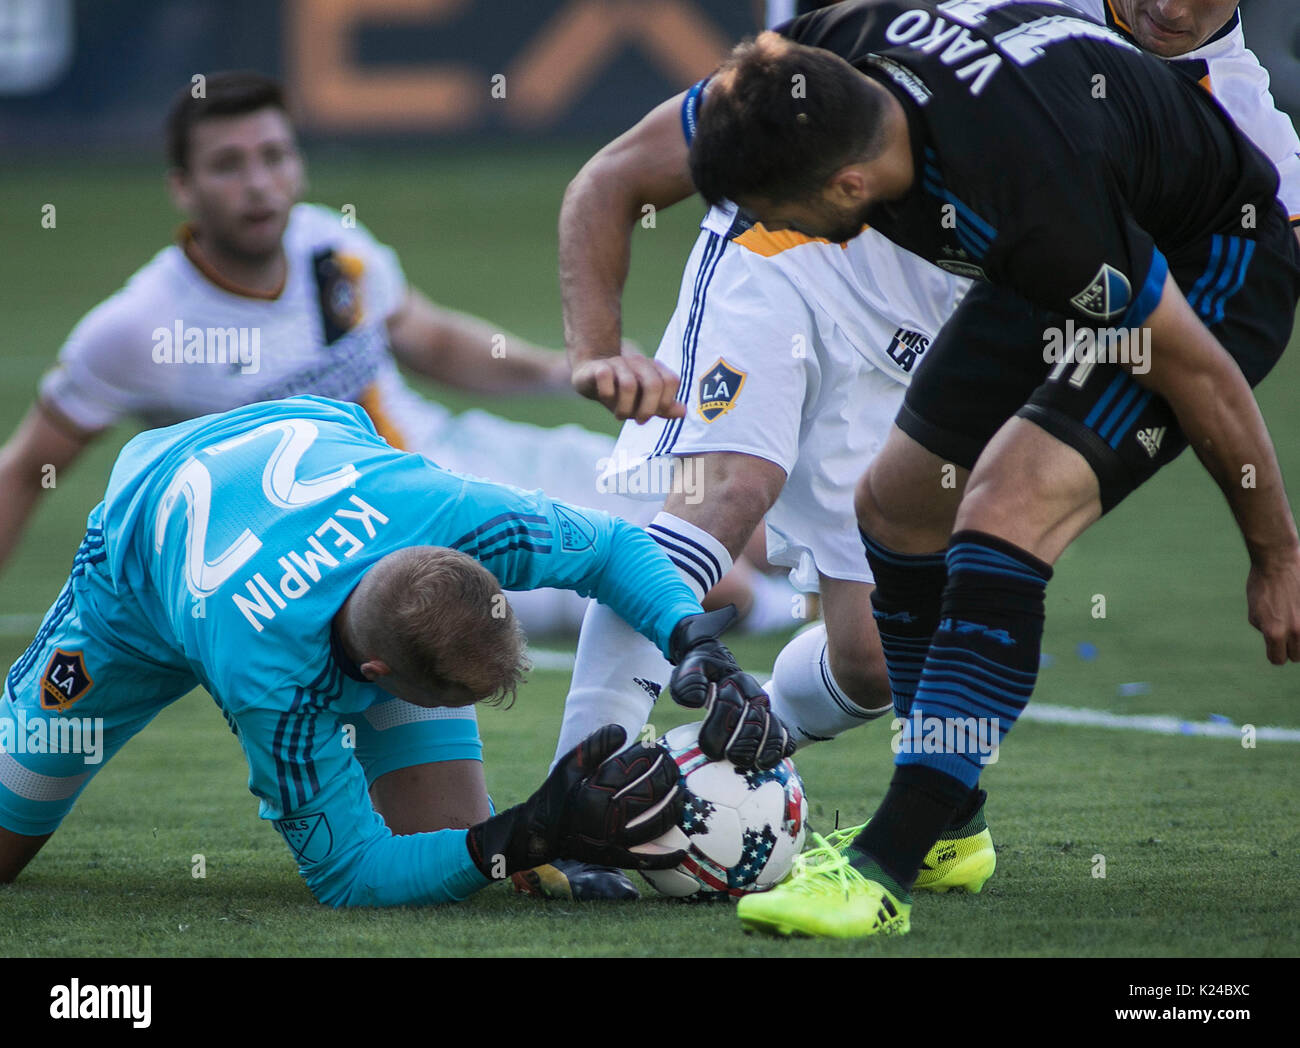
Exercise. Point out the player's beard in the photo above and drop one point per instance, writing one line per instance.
(850, 227)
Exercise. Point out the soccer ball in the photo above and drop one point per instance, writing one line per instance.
(741, 829)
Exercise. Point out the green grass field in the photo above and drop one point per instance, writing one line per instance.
(1199, 835)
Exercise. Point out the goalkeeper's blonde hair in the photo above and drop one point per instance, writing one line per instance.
(438, 617)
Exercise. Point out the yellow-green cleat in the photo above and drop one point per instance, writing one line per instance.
(964, 863)
(826, 896)
(965, 860)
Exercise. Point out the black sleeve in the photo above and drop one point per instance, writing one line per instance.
(843, 28)
(1077, 250)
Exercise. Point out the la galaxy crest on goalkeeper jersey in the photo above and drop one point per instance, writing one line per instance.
(1024, 176)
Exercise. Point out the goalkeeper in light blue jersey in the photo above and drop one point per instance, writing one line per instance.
(341, 602)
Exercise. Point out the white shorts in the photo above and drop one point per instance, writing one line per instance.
(768, 370)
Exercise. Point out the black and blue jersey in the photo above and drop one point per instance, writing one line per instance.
(1052, 156)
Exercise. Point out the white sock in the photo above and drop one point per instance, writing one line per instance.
(618, 673)
(543, 611)
(617, 676)
(805, 696)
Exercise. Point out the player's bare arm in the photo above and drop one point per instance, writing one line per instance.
(43, 444)
(1217, 411)
(646, 165)
(741, 489)
(468, 353)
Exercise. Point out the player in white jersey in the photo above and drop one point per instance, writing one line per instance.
(263, 298)
(778, 380)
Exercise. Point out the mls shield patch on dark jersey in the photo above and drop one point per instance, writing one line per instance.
(1107, 296)
(719, 389)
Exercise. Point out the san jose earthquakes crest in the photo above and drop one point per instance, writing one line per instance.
(719, 389)
(65, 680)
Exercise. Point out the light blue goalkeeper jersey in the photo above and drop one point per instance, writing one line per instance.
(233, 539)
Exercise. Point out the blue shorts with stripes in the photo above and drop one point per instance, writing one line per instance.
(989, 362)
(95, 675)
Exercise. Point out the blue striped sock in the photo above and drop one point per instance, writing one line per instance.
(905, 605)
(983, 660)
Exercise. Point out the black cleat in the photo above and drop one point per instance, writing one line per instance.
(578, 881)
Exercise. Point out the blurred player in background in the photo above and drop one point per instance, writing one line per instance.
(316, 581)
(264, 297)
(812, 345)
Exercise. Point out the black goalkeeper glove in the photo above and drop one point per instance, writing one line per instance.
(595, 806)
(739, 724)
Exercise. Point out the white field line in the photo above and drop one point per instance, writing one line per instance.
(1154, 724)
(19, 625)
(1045, 713)
(550, 659)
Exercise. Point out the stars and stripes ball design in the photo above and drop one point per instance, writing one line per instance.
(741, 829)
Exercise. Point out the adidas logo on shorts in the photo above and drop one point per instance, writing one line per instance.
(1151, 438)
